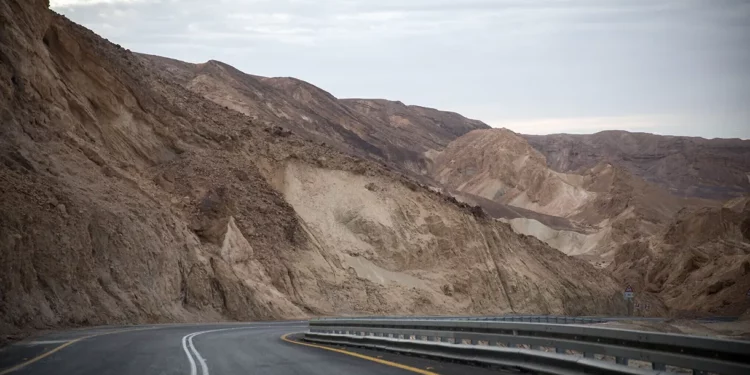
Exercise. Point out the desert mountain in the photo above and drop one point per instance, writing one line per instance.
(685, 166)
(382, 130)
(692, 254)
(604, 206)
(127, 196)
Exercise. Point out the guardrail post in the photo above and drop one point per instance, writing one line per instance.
(658, 366)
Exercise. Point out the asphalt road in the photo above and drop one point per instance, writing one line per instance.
(212, 349)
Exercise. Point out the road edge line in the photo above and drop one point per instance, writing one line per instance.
(41, 356)
(63, 346)
(358, 355)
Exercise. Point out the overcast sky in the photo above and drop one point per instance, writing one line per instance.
(535, 66)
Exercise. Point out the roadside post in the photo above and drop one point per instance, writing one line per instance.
(628, 296)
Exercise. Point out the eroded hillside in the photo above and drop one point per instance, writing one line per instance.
(129, 198)
(691, 254)
(605, 205)
(499, 165)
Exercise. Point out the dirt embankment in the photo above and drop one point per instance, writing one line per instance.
(127, 198)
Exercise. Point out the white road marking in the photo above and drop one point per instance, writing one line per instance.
(204, 368)
(188, 346)
(44, 342)
(187, 353)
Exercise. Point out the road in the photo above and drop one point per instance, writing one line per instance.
(206, 349)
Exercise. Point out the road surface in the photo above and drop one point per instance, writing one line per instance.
(206, 349)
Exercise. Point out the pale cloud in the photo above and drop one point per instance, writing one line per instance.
(585, 64)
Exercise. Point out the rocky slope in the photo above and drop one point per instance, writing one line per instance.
(381, 130)
(499, 165)
(605, 205)
(700, 261)
(405, 138)
(691, 254)
(685, 166)
(127, 197)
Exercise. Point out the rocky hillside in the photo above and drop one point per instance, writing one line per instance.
(499, 165)
(128, 197)
(700, 261)
(691, 254)
(385, 131)
(605, 205)
(685, 166)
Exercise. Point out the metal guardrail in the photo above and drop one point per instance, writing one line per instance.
(504, 318)
(540, 347)
(558, 319)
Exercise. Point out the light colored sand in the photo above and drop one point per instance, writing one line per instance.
(569, 242)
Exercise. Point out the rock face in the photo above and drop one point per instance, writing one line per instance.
(128, 197)
(699, 262)
(685, 166)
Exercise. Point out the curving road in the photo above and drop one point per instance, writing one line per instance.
(206, 349)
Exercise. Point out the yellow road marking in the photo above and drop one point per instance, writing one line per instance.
(378, 360)
(63, 346)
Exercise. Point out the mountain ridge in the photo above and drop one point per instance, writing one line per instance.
(383, 130)
(687, 166)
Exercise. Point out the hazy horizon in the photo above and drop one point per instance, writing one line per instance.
(543, 67)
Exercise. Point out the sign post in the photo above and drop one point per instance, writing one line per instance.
(628, 296)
